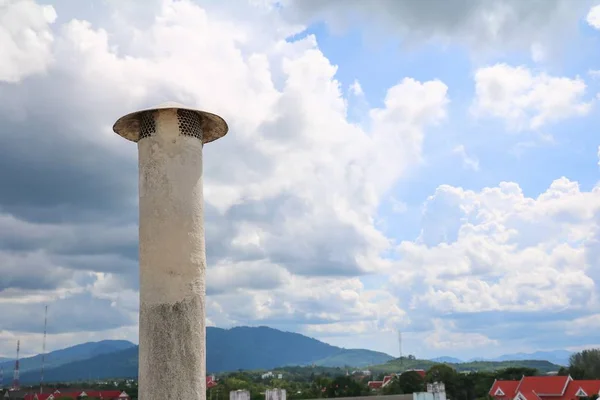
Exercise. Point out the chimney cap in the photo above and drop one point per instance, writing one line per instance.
(213, 126)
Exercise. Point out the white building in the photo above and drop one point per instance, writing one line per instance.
(239, 395)
(275, 394)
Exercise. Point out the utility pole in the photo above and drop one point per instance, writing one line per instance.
(400, 348)
(16, 384)
(44, 350)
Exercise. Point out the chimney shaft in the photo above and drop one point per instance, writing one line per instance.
(172, 360)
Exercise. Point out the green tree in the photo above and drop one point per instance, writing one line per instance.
(515, 373)
(448, 375)
(577, 372)
(316, 387)
(586, 364)
(406, 383)
(465, 386)
(483, 383)
(345, 386)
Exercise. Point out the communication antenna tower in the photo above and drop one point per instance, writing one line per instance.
(16, 384)
(400, 347)
(44, 350)
(400, 343)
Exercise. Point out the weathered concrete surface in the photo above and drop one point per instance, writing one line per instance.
(172, 264)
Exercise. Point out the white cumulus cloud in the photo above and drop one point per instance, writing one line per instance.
(525, 99)
(25, 39)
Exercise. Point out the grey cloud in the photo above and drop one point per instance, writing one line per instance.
(287, 127)
(592, 253)
(79, 313)
(517, 23)
(68, 239)
(528, 329)
(497, 319)
(256, 277)
(244, 316)
(98, 263)
(33, 271)
(297, 317)
(419, 321)
(234, 159)
(63, 172)
(50, 170)
(322, 251)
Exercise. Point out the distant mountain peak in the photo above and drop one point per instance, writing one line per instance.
(446, 359)
(78, 352)
(559, 357)
(240, 347)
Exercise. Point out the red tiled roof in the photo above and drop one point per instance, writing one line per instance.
(104, 394)
(375, 384)
(545, 388)
(379, 384)
(535, 387)
(590, 388)
(421, 372)
(210, 383)
(509, 388)
(101, 394)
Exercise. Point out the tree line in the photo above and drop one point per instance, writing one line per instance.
(328, 382)
(333, 383)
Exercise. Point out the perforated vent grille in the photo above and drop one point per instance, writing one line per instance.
(190, 123)
(147, 124)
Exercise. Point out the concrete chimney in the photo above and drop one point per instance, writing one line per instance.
(170, 138)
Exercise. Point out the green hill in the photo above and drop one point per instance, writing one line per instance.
(263, 348)
(71, 354)
(244, 348)
(397, 366)
(227, 350)
(354, 358)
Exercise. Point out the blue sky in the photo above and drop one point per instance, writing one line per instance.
(454, 197)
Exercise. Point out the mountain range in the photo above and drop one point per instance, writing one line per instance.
(81, 352)
(227, 350)
(558, 357)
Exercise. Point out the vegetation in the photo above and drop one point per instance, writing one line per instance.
(333, 383)
(408, 382)
(321, 386)
(226, 350)
(71, 354)
(354, 357)
(461, 380)
(583, 365)
(315, 382)
(263, 347)
(410, 362)
(130, 386)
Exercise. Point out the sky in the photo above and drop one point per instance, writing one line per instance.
(430, 167)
